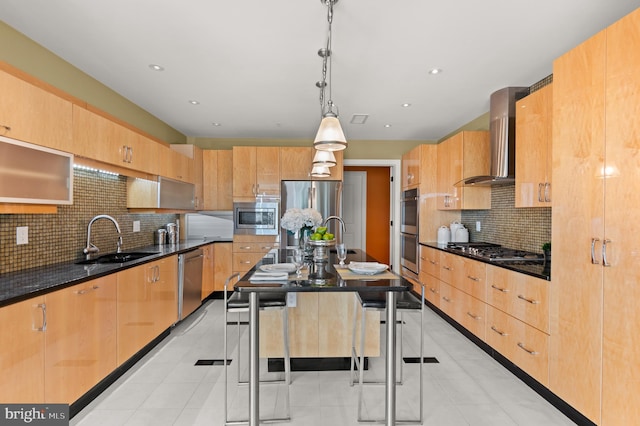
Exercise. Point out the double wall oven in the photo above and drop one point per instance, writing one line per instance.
(409, 215)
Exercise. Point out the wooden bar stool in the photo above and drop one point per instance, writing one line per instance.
(239, 303)
(405, 302)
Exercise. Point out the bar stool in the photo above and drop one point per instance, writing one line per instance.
(377, 301)
(239, 303)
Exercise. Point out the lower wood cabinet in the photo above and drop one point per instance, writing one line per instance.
(147, 304)
(217, 267)
(22, 343)
(431, 288)
(80, 338)
(249, 249)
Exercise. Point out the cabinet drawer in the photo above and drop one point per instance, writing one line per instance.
(449, 264)
(242, 262)
(254, 247)
(522, 296)
(430, 261)
(525, 346)
(473, 314)
(431, 288)
(471, 278)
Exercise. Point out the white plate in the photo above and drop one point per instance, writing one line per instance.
(279, 267)
(367, 268)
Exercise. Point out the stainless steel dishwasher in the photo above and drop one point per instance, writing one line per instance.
(190, 282)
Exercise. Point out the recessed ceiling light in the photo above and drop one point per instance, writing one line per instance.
(406, 105)
(216, 124)
(387, 125)
(193, 102)
(434, 71)
(156, 67)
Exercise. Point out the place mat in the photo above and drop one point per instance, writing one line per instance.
(347, 274)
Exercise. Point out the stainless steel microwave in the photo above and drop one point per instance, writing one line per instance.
(256, 218)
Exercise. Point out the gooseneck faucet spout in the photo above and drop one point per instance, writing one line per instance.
(339, 219)
(91, 248)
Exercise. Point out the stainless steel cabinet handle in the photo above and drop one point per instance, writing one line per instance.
(266, 248)
(5, 127)
(87, 290)
(540, 186)
(532, 301)
(433, 290)
(605, 262)
(130, 157)
(447, 268)
(475, 317)
(246, 262)
(503, 290)
(547, 194)
(473, 278)
(446, 299)
(245, 248)
(529, 351)
(593, 251)
(433, 262)
(43, 307)
(502, 333)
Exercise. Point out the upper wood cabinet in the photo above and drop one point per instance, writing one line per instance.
(31, 114)
(463, 155)
(176, 165)
(595, 321)
(217, 178)
(256, 171)
(80, 338)
(295, 162)
(533, 149)
(22, 341)
(193, 152)
(99, 138)
(411, 168)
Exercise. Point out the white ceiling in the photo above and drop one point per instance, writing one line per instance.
(253, 64)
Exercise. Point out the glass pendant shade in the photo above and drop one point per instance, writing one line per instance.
(320, 171)
(324, 159)
(330, 136)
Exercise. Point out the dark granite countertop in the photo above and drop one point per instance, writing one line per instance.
(334, 283)
(537, 270)
(21, 285)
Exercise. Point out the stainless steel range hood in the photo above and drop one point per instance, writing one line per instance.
(502, 130)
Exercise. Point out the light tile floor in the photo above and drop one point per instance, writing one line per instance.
(466, 387)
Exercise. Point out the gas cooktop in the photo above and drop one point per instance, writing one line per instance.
(496, 253)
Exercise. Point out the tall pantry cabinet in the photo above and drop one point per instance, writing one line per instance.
(595, 320)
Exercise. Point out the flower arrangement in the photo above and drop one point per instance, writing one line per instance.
(294, 219)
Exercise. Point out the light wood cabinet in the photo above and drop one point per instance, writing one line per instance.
(256, 171)
(22, 339)
(31, 114)
(533, 150)
(470, 277)
(175, 165)
(463, 155)
(147, 304)
(217, 267)
(595, 322)
(80, 338)
(295, 162)
(411, 168)
(208, 270)
(217, 177)
(249, 249)
(100, 138)
(193, 152)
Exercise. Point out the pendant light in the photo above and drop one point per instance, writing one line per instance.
(320, 171)
(330, 136)
(324, 159)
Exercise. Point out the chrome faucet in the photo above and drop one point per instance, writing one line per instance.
(91, 248)
(339, 219)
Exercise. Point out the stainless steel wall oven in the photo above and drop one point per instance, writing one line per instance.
(409, 226)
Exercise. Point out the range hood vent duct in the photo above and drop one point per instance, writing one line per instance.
(502, 134)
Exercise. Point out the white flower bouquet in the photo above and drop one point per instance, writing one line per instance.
(296, 219)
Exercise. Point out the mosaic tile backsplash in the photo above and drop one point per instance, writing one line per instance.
(57, 238)
(517, 228)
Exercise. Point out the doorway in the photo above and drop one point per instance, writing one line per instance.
(370, 203)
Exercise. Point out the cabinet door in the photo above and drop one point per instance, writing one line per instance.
(621, 350)
(176, 165)
(473, 279)
(411, 168)
(224, 197)
(208, 262)
(244, 171)
(194, 153)
(267, 170)
(431, 288)
(22, 342)
(34, 115)
(533, 150)
(295, 162)
(217, 177)
(223, 264)
(577, 217)
(80, 338)
(449, 166)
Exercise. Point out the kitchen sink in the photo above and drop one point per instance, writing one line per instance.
(117, 257)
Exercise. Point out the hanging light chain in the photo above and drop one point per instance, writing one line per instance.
(326, 53)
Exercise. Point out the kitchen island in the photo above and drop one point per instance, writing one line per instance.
(337, 281)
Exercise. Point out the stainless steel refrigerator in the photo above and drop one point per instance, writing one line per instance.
(324, 196)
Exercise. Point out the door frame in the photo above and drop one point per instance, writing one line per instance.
(394, 231)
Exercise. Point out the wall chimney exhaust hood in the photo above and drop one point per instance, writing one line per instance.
(502, 132)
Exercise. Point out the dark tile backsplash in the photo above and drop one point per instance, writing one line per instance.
(56, 238)
(518, 228)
